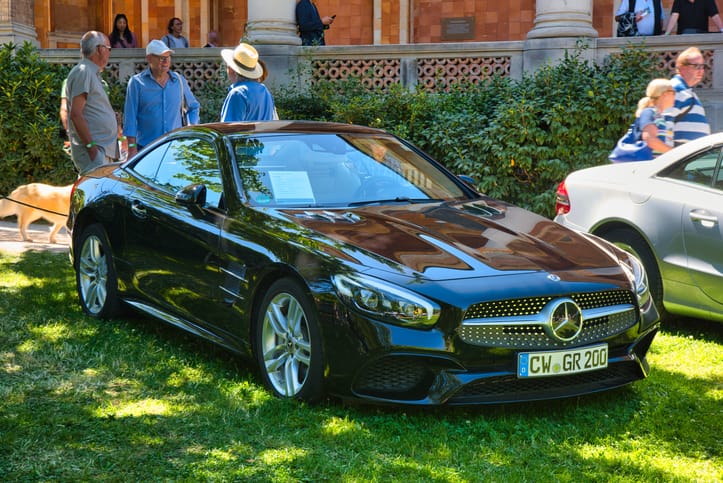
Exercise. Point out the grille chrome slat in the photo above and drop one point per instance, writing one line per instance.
(520, 323)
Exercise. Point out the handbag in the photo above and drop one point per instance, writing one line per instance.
(184, 106)
(627, 26)
(631, 147)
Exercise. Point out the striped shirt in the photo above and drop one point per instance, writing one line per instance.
(692, 124)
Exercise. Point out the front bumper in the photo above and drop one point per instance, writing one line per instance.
(442, 369)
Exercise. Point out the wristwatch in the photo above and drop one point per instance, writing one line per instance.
(90, 145)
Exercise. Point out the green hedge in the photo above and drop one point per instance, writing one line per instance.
(31, 146)
(517, 138)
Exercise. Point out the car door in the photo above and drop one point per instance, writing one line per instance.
(173, 251)
(702, 219)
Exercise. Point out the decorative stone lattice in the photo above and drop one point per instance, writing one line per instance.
(432, 73)
(441, 74)
(199, 73)
(373, 73)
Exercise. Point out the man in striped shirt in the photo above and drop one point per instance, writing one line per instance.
(688, 113)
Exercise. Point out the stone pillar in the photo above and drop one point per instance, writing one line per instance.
(17, 22)
(272, 22)
(562, 18)
(559, 26)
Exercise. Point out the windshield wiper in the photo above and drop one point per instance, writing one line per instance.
(398, 199)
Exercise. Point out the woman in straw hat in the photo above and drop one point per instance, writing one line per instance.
(248, 99)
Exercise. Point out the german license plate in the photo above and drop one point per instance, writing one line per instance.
(559, 363)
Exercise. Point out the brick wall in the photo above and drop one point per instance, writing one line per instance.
(492, 20)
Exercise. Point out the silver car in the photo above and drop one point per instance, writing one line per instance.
(668, 212)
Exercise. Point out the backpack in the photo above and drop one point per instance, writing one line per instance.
(627, 26)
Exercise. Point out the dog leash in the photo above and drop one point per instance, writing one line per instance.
(34, 207)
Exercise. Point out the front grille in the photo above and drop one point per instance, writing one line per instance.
(510, 388)
(534, 336)
(518, 323)
(533, 305)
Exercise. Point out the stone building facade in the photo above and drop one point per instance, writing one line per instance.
(59, 23)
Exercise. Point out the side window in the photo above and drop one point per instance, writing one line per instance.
(147, 166)
(190, 161)
(700, 169)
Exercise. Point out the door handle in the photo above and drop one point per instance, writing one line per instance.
(138, 209)
(704, 218)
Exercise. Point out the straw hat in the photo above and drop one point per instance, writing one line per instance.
(244, 60)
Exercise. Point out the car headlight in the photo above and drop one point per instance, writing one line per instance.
(385, 301)
(637, 276)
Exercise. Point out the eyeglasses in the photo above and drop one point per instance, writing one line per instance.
(163, 58)
(107, 47)
(697, 66)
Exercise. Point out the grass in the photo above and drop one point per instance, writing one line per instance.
(133, 400)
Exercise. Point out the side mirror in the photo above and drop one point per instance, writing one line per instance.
(468, 180)
(193, 197)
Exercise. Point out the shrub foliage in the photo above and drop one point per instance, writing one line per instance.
(31, 147)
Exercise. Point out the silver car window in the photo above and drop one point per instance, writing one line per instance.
(702, 169)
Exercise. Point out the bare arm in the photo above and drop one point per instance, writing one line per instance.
(650, 136)
(80, 124)
(672, 23)
(64, 112)
(718, 22)
(132, 146)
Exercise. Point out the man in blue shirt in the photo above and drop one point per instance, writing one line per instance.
(154, 100)
(247, 98)
(688, 113)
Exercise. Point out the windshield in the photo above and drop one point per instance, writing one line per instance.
(327, 170)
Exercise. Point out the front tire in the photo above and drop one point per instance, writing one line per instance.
(287, 342)
(95, 275)
(632, 242)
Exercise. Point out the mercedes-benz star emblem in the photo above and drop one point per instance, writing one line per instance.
(566, 320)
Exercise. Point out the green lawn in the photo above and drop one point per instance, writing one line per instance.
(132, 400)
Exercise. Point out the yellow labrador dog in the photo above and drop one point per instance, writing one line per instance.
(35, 198)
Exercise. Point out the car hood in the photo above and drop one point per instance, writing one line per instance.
(453, 240)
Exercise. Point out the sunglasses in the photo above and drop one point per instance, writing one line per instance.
(697, 66)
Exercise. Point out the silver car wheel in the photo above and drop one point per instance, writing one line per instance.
(286, 344)
(93, 275)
